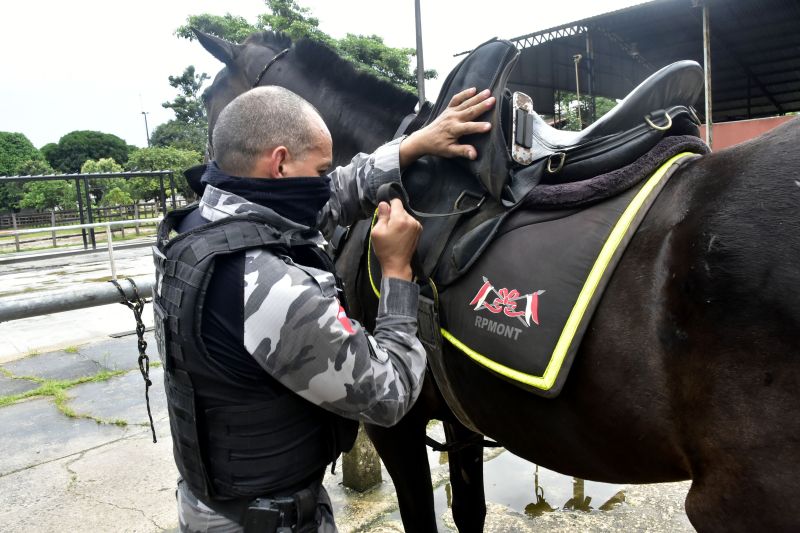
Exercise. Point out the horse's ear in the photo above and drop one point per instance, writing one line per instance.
(220, 48)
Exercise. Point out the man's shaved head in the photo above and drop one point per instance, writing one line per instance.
(259, 120)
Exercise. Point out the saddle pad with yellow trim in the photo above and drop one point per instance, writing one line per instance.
(523, 307)
(521, 310)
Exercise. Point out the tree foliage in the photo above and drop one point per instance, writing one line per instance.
(230, 27)
(187, 106)
(179, 135)
(162, 158)
(51, 194)
(75, 148)
(568, 104)
(18, 157)
(287, 16)
(188, 130)
(15, 150)
(99, 187)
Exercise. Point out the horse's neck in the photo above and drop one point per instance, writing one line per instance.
(359, 126)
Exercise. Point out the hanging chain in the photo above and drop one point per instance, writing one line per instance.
(136, 304)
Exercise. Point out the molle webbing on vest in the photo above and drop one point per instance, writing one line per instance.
(258, 438)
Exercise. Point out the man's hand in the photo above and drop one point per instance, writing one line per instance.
(394, 239)
(440, 137)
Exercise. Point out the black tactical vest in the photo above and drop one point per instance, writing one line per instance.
(258, 438)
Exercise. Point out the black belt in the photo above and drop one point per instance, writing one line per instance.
(290, 514)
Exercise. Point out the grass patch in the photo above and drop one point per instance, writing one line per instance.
(57, 389)
(71, 349)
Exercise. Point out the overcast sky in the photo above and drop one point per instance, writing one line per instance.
(97, 64)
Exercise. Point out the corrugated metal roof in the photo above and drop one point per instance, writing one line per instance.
(755, 53)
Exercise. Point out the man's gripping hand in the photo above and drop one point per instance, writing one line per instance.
(394, 239)
(440, 137)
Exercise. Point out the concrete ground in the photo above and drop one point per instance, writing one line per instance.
(80, 456)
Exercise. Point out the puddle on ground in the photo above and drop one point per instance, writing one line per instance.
(530, 489)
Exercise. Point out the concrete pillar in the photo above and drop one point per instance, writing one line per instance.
(361, 466)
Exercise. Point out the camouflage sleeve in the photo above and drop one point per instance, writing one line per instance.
(354, 187)
(298, 332)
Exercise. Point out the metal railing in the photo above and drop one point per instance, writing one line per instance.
(106, 225)
(81, 297)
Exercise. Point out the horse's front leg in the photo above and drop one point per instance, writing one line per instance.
(404, 454)
(466, 477)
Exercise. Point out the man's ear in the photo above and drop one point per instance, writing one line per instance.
(274, 161)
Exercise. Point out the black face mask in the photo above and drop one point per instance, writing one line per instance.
(299, 199)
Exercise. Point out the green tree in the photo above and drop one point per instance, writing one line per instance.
(288, 17)
(367, 52)
(116, 196)
(234, 29)
(162, 158)
(50, 194)
(188, 129)
(179, 135)
(392, 64)
(10, 196)
(15, 149)
(16, 155)
(35, 167)
(187, 106)
(76, 147)
(567, 105)
(99, 187)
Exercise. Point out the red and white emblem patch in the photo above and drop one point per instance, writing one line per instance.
(342, 316)
(524, 307)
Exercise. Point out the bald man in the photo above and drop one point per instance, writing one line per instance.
(266, 375)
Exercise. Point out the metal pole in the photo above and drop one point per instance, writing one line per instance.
(172, 188)
(420, 66)
(80, 212)
(707, 71)
(162, 195)
(146, 130)
(14, 225)
(86, 295)
(577, 59)
(136, 215)
(590, 76)
(89, 211)
(52, 225)
(110, 243)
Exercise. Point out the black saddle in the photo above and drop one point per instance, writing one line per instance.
(522, 152)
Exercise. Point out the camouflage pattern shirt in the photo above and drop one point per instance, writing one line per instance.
(295, 327)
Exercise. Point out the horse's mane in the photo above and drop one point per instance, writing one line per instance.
(319, 57)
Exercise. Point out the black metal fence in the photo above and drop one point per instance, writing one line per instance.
(87, 213)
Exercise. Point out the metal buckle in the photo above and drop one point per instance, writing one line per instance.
(550, 168)
(656, 127)
(457, 203)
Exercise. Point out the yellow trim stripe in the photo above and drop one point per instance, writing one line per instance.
(546, 381)
(369, 256)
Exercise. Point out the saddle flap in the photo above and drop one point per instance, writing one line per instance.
(487, 66)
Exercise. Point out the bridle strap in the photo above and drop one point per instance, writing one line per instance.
(210, 146)
(266, 67)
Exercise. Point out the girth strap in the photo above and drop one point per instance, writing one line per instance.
(424, 269)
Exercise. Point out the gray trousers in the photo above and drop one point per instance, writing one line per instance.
(196, 517)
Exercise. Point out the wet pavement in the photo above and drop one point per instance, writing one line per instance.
(82, 456)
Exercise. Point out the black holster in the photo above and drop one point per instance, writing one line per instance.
(295, 514)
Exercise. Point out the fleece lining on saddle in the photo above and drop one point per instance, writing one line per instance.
(522, 308)
(584, 192)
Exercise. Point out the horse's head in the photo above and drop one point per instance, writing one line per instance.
(361, 110)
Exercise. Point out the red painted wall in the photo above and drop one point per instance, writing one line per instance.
(726, 134)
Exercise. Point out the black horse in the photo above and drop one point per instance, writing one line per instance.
(690, 368)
